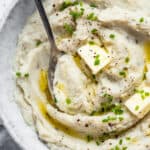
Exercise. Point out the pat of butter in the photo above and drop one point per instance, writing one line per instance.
(94, 56)
(139, 103)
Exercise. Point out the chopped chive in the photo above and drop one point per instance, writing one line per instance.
(112, 36)
(141, 19)
(69, 28)
(77, 14)
(91, 42)
(18, 74)
(94, 31)
(65, 4)
(97, 60)
(120, 141)
(68, 3)
(127, 59)
(68, 101)
(92, 17)
(143, 93)
(117, 110)
(122, 73)
(109, 118)
(128, 138)
(137, 107)
(26, 75)
(38, 43)
(108, 106)
(108, 96)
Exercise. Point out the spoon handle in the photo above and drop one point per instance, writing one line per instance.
(45, 21)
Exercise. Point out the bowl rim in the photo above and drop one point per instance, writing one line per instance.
(8, 123)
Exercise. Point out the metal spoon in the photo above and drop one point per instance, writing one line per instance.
(54, 52)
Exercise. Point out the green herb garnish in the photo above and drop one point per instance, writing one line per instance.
(68, 3)
(97, 60)
(143, 93)
(69, 28)
(26, 75)
(117, 110)
(109, 118)
(128, 138)
(127, 59)
(38, 43)
(18, 74)
(120, 142)
(91, 42)
(92, 17)
(112, 36)
(77, 14)
(94, 31)
(137, 107)
(122, 73)
(141, 19)
(68, 101)
(108, 96)
(107, 106)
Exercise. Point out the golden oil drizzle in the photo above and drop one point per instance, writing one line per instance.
(56, 124)
(43, 84)
(147, 51)
(77, 60)
(43, 81)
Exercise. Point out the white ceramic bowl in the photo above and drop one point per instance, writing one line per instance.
(9, 111)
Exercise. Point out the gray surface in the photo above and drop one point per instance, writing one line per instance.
(6, 142)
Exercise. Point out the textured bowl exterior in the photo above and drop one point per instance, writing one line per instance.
(9, 111)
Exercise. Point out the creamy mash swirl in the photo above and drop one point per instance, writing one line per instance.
(101, 83)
